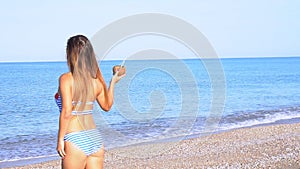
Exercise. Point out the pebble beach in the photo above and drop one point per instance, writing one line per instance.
(272, 146)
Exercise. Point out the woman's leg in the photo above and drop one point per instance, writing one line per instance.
(75, 158)
(96, 160)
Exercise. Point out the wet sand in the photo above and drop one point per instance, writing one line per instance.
(275, 146)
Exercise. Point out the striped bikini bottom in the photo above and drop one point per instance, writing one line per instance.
(89, 141)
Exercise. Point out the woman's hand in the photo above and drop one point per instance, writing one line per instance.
(121, 69)
(61, 148)
(118, 73)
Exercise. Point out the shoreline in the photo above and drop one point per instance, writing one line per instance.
(274, 146)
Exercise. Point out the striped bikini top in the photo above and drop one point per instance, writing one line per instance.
(74, 112)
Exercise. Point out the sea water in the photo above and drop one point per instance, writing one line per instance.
(157, 100)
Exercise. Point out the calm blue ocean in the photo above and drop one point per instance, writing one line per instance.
(155, 101)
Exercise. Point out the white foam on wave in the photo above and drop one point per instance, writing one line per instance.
(16, 162)
(269, 119)
(28, 158)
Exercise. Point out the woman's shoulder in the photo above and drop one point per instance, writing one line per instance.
(66, 77)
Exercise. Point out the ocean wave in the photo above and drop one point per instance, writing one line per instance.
(21, 161)
(28, 158)
(248, 119)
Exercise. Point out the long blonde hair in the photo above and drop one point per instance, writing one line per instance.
(84, 67)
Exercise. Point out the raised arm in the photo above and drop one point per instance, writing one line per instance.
(105, 97)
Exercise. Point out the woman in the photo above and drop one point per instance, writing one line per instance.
(79, 142)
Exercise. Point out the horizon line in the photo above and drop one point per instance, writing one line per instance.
(190, 58)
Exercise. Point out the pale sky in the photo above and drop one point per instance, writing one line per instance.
(38, 30)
